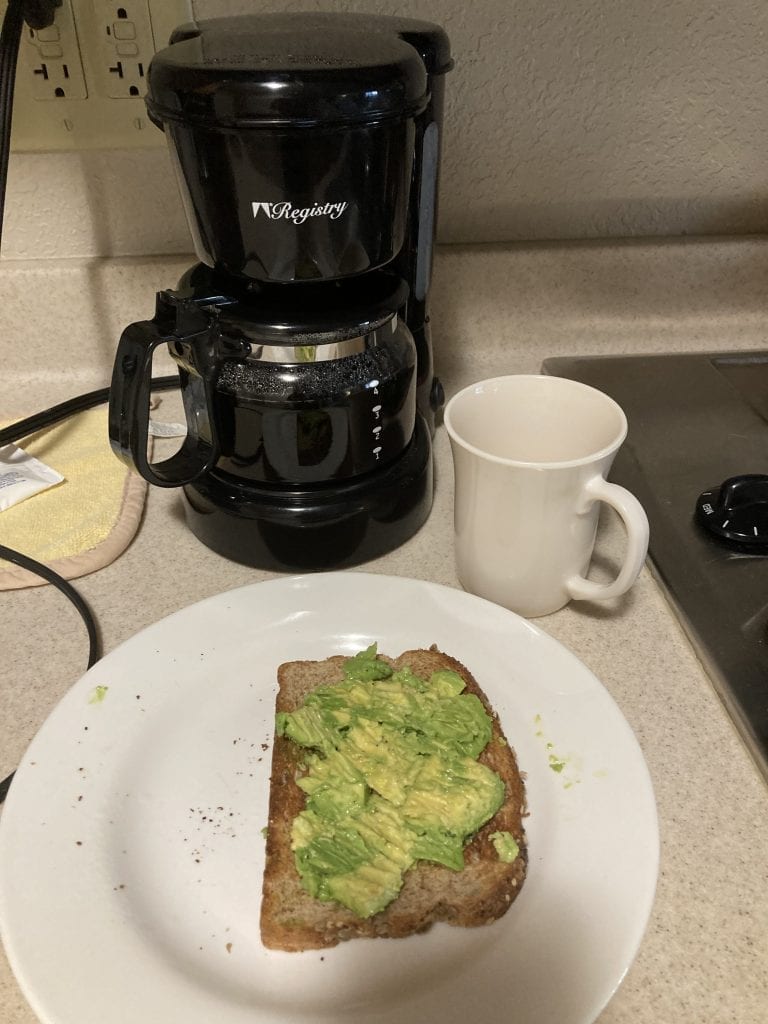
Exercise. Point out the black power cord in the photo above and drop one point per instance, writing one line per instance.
(37, 14)
(40, 14)
(66, 588)
(21, 429)
(16, 432)
(10, 38)
(40, 420)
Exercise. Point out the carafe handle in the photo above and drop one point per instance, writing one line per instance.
(190, 333)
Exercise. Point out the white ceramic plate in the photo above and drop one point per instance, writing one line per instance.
(131, 847)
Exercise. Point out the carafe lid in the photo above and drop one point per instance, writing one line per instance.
(295, 69)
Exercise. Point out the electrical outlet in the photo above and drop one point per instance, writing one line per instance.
(51, 64)
(127, 45)
(80, 83)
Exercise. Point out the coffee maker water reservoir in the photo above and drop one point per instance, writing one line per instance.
(307, 150)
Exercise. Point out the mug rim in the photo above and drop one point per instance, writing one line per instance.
(584, 460)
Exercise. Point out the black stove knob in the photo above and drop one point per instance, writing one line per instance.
(736, 512)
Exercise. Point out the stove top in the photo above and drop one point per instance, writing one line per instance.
(694, 422)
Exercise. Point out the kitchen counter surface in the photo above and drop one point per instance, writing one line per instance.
(496, 310)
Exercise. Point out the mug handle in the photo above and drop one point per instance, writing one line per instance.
(636, 525)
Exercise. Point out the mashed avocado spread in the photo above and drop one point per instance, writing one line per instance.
(392, 777)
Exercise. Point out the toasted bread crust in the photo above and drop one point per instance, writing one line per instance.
(293, 920)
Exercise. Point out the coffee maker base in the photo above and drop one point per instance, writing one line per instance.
(333, 527)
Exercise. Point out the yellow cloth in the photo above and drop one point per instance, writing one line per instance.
(83, 523)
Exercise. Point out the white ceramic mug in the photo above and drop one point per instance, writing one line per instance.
(531, 454)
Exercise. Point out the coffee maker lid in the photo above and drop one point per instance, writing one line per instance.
(297, 69)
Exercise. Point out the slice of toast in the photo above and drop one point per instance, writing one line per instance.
(291, 919)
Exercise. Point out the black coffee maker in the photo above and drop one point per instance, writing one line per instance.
(307, 152)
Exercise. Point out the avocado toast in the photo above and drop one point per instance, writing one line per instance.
(458, 855)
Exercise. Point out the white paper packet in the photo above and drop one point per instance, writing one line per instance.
(21, 476)
(158, 428)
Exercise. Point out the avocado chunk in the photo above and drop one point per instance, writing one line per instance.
(391, 778)
(506, 846)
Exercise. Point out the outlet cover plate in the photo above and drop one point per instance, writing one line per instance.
(94, 108)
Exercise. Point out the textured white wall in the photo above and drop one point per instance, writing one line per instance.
(593, 118)
(577, 119)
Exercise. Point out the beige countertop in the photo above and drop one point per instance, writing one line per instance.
(704, 957)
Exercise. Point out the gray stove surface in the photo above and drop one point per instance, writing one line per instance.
(694, 421)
